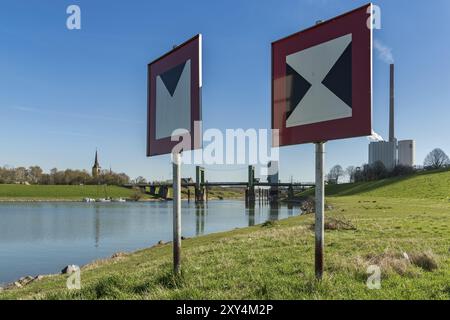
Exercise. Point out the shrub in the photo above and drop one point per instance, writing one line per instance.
(269, 224)
(401, 170)
(378, 171)
(308, 205)
(136, 195)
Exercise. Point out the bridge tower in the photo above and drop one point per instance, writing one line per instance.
(250, 192)
(199, 184)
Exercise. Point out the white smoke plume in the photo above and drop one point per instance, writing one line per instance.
(375, 137)
(384, 52)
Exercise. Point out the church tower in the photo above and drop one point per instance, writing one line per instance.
(96, 168)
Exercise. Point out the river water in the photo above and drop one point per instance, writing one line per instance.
(42, 238)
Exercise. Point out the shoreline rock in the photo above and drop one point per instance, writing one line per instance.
(22, 282)
(119, 255)
(71, 268)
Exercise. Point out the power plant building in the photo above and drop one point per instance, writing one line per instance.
(406, 152)
(384, 151)
(391, 152)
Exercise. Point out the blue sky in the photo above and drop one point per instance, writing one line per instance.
(64, 93)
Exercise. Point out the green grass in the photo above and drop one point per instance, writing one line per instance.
(424, 185)
(60, 192)
(275, 260)
(17, 192)
(218, 193)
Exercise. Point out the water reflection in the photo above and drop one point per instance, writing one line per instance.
(273, 211)
(200, 219)
(251, 216)
(97, 226)
(290, 208)
(41, 238)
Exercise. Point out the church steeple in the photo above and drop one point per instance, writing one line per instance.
(96, 159)
(96, 168)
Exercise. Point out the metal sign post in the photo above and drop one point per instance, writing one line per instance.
(320, 206)
(322, 91)
(176, 213)
(173, 103)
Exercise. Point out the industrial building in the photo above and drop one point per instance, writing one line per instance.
(384, 151)
(272, 174)
(392, 153)
(406, 155)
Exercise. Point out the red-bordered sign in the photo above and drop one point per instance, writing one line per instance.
(174, 97)
(322, 80)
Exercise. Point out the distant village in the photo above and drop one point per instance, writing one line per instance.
(36, 175)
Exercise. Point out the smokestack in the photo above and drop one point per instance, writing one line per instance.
(391, 105)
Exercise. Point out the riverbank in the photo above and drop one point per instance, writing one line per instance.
(19, 200)
(275, 260)
(76, 193)
(399, 225)
(49, 193)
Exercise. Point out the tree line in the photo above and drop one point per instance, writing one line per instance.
(35, 175)
(436, 159)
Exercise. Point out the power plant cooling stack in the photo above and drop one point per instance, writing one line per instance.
(391, 152)
(386, 151)
(391, 105)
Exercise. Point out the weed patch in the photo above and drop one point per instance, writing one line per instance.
(426, 260)
(269, 224)
(337, 224)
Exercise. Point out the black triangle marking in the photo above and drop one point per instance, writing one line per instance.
(339, 79)
(296, 89)
(171, 77)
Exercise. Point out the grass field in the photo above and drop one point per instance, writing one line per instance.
(217, 193)
(60, 192)
(17, 192)
(275, 260)
(424, 185)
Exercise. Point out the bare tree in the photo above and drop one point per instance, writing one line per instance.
(436, 159)
(34, 174)
(20, 175)
(350, 172)
(139, 180)
(335, 173)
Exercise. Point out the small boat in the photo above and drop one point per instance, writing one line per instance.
(88, 200)
(119, 200)
(103, 200)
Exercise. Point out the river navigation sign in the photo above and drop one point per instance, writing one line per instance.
(322, 90)
(174, 107)
(322, 81)
(174, 97)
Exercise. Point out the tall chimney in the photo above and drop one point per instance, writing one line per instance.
(391, 105)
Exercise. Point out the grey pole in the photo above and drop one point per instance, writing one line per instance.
(319, 212)
(176, 213)
(320, 205)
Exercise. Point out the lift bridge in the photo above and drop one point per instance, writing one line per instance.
(254, 189)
